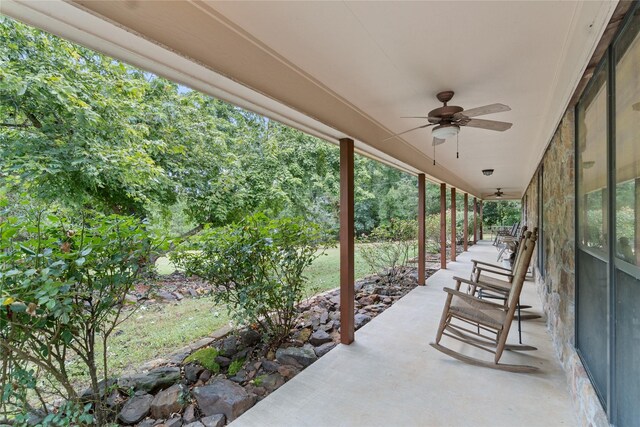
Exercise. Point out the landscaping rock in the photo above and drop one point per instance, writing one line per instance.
(216, 420)
(288, 371)
(154, 380)
(102, 389)
(223, 397)
(189, 415)
(168, 402)
(195, 424)
(270, 366)
(241, 376)
(149, 422)
(361, 320)
(205, 375)
(179, 356)
(319, 337)
(135, 409)
(258, 391)
(324, 348)
(192, 372)
(272, 381)
(249, 337)
(172, 422)
(166, 295)
(327, 326)
(324, 316)
(223, 361)
(229, 347)
(302, 335)
(302, 356)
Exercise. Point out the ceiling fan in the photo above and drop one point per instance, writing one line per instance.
(449, 118)
(499, 194)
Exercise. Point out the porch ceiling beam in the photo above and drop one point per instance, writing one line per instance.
(347, 276)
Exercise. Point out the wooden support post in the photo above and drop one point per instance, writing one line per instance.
(475, 220)
(481, 219)
(453, 224)
(421, 229)
(465, 224)
(443, 225)
(347, 293)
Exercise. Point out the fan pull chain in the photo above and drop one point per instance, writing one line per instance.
(457, 145)
(434, 155)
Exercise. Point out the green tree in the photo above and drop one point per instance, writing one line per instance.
(71, 126)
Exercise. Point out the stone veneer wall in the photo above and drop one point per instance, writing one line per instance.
(557, 288)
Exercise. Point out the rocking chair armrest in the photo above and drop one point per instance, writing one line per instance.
(476, 262)
(502, 273)
(479, 283)
(479, 302)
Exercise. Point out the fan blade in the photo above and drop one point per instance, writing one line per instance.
(481, 111)
(431, 119)
(438, 141)
(407, 131)
(488, 124)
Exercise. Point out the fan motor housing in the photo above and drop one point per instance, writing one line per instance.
(445, 112)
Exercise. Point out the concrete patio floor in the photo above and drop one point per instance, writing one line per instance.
(390, 376)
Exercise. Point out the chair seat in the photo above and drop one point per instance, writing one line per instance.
(494, 320)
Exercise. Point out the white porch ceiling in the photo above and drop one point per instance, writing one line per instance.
(338, 69)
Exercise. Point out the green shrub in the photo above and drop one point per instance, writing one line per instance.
(235, 366)
(63, 284)
(257, 268)
(205, 357)
(390, 246)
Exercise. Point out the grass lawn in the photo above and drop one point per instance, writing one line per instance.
(324, 273)
(158, 330)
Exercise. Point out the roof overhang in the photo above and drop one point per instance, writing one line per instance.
(339, 69)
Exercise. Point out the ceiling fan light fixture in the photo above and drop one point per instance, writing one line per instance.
(445, 131)
(487, 172)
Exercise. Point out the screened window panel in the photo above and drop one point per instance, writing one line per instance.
(593, 320)
(627, 146)
(592, 165)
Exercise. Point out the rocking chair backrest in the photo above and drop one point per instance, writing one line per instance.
(520, 272)
(520, 248)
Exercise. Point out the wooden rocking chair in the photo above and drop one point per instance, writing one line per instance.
(491, 320)
(498, 288)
